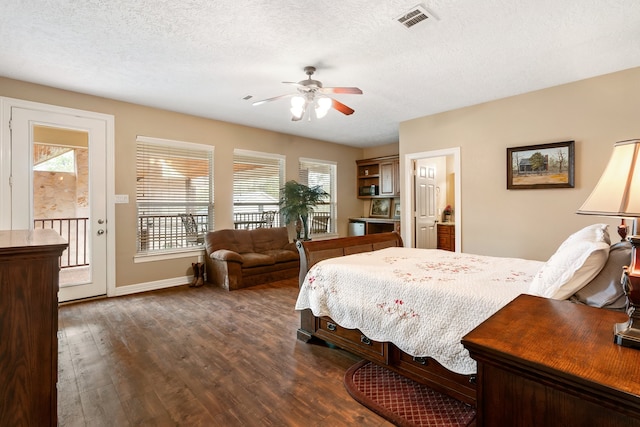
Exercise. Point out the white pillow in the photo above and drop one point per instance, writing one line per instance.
(576, 262)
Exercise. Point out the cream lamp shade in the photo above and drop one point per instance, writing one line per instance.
(618, 190)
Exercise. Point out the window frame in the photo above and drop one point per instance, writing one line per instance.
(259, 155)
(333, 194)
(185, 251)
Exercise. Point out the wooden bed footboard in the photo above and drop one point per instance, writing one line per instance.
(422, 369)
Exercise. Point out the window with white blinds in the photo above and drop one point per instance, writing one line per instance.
(321, 173)
(257, 179)
(174, 189)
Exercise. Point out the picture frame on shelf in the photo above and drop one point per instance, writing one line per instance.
(541, 166)
(396, 208)
(380, 208)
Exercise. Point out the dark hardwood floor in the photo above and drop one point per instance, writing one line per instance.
(199, 357)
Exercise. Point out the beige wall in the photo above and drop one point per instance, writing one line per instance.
(520, 223)
(530, 223)
(132, 120)
(380, 151)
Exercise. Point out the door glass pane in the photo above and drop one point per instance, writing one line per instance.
(61, 195)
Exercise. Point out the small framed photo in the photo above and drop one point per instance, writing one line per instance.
(396, 208)
(380, 208)
(541, 166)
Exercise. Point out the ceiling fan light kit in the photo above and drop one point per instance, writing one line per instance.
(323, 106)
(312, 93)
(299, 106)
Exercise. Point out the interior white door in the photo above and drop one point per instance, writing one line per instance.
(89, 240)
(425, 204)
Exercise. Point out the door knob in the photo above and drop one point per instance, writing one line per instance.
(101, 221)
(100, 232)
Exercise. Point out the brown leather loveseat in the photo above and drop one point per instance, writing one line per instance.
(240, 258)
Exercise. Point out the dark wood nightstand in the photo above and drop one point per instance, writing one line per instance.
(543, 362)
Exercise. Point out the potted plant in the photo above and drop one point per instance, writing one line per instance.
(446, 213)
(297, 201)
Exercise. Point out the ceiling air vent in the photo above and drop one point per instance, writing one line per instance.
(414, 16)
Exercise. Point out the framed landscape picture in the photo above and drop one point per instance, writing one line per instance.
(380, 208)
(541, 166)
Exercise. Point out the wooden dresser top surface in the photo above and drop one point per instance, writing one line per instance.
(14, 239)
(561, 340)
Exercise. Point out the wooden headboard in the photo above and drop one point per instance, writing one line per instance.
(313, 251)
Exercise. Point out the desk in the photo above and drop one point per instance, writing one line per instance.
(378, 225)
(543, 362)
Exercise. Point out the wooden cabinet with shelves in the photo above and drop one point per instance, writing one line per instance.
(389, 178)
(378, 225)
(378, 177)
(446, 237)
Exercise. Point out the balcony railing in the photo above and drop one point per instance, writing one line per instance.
(160, 232)
(163, 232)
(253, 220)
(75, 231)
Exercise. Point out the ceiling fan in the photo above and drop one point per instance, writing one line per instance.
(312, 94)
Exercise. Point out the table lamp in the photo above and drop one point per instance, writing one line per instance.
(617, 194)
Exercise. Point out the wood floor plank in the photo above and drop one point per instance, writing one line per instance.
(200, 356)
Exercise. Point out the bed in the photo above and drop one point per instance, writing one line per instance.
(408, 308)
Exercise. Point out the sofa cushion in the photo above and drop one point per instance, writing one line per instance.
(265, 239)
(252, 259)
(282, 255)
(226, 255)
(234, 240)
(243, 241)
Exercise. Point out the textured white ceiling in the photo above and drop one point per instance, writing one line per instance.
(203, 57)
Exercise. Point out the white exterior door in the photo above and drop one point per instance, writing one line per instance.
(72, 201)
(425, 204)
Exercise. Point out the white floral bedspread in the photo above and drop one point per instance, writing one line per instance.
(422, 300)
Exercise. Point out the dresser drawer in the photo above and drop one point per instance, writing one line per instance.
(350, 339)
(436, 375)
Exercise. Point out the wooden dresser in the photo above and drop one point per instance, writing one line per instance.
(29, 269)
(547, 363)
(446, 236)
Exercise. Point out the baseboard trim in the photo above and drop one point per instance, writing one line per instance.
(152, 286)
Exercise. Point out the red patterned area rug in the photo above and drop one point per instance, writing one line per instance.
(402, 401)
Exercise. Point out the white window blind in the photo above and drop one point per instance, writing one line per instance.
(174, 178)
(257, 178)
(321, 173)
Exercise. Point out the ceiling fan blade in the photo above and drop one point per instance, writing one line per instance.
(350, 90)
(275, 98)
(295, 84)
(337, 105)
